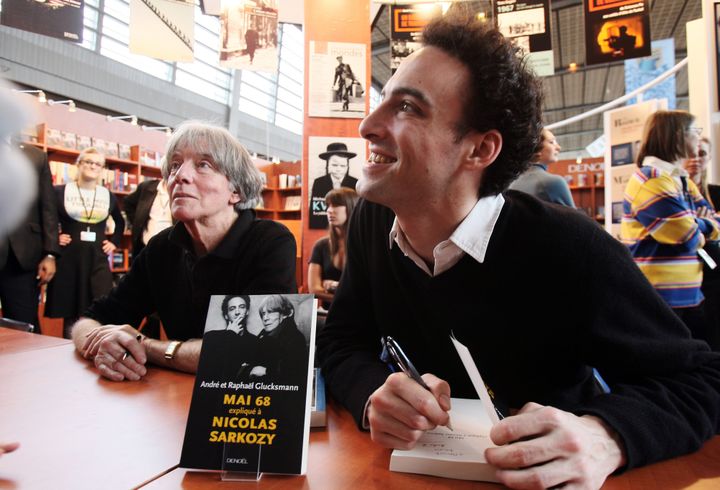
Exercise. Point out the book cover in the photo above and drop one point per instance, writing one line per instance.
(69, 140)
(250, 409)
(111, 149)
(54, 137)
(99, 144)
(292, 203)
(123, 151)
(83, 142)
(459, 453)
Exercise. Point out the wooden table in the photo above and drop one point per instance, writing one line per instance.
(341, 457)
(12, 341)
(78, 431)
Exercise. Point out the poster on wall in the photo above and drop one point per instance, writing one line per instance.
(249, 35)
(406, 25)
(527, 23)
(332, 163)
(62, 19)
(616, 30)
(640, 71)
(337, 75)
(162, 29)
(623, 132)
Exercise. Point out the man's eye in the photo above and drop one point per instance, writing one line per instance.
(406, 107)
(174, 167)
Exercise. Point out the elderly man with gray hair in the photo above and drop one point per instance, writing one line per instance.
(218, 246)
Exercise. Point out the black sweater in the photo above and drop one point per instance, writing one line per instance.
(555, 295)
(255, 257)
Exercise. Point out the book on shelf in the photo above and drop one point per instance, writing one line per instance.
(111, 149)
(83, 142)
(69, 140)
(251, 404)
(124, 151)
(457, 453)
(292, 203)
(53, 137)
(62, 172)
(99, 144)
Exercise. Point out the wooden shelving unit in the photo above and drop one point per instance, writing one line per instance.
(587, 184)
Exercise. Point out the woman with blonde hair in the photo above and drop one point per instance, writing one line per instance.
(328, 255)
(666, 220)
(83, 271)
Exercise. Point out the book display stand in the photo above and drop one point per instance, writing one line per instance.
(232, 475)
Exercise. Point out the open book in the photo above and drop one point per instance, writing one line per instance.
(457, 453)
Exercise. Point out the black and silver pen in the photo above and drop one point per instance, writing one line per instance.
(404, 363)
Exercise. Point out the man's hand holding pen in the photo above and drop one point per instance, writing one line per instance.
(117, 351)
(401, 409)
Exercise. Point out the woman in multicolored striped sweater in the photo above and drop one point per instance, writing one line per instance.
(666, 220)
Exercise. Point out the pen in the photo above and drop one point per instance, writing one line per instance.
(404, 363)
(127, 352)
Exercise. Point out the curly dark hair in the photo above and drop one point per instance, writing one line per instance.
(504, 94)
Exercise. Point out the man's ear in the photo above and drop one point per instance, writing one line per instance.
(484, 148)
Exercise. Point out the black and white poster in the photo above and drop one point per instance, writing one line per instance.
(337, 79)
(249, 35)
(162, 29)
(528, 24)
(62, 19)
(333, 162)
(616, 30)
(406, 25)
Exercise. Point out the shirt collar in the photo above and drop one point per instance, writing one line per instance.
(227, 246)
(663, 166)
(472, 235)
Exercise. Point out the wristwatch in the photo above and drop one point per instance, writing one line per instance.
(172, 349)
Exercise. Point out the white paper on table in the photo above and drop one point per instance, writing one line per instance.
(476, 379)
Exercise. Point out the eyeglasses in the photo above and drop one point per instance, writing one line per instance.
(91, 163)
(694, 130)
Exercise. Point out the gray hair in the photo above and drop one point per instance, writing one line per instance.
(230, 157)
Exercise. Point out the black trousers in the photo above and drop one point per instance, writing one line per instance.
(19, 293)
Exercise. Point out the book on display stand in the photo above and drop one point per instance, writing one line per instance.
(251, 404)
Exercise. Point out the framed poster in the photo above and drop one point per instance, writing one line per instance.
(337, 73)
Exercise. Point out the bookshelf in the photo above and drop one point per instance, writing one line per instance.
(586, 179)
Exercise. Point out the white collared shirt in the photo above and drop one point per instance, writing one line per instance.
(675, 171)
(471, 237)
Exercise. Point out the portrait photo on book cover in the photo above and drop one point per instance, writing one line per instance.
(259, 337)
(337, 77)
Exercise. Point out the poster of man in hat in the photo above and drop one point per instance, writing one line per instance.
(334, 163)
(337, 79)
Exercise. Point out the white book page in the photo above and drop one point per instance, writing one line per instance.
(476, 379)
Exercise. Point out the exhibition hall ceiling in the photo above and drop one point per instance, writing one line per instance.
(568, 94)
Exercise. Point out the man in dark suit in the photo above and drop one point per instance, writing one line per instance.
(27, 255)
(337, 174)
